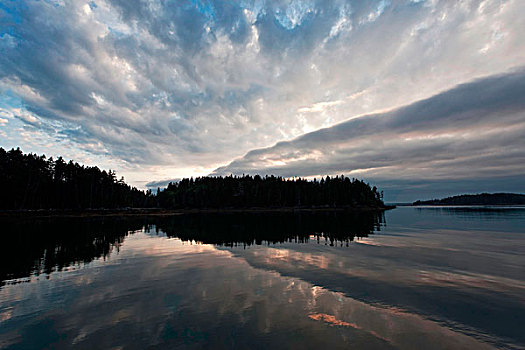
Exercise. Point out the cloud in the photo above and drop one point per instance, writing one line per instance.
(160, 184)
(194, 84)
(475, 130)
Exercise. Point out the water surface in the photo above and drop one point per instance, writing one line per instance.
(416, 277)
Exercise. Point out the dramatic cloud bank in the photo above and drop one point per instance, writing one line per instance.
(474, 131)
(162, 89)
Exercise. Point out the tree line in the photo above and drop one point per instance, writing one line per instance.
(269, 191)
(478, 199)
(29, 181)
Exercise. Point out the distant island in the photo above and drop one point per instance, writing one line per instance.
(478, 199)
(32, 182)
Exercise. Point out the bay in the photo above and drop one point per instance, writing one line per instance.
(413, 277)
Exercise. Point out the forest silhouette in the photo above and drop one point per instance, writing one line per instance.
(29, 181)
(478, 199)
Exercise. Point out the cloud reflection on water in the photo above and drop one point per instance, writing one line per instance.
(170, 293)
(420, 285)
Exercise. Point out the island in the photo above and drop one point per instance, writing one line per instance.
(478, 199)
(31, 183)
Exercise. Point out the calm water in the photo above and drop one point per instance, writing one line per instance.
(415, 278)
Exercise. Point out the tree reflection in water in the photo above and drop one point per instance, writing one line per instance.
(42, 246)
(246, 229)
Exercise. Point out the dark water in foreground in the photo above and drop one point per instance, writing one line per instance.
(415, 278)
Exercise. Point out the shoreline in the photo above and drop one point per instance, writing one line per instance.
(43, 213)
(464, 205)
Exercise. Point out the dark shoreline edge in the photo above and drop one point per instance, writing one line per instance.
(167, 212)
(464, 205)
(480, 199)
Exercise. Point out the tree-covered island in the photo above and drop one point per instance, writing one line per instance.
(30, 181)
(478, 199)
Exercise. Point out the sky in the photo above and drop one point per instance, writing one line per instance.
(424, 98)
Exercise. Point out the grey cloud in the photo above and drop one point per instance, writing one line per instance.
(475, 130)
(153, 185)
(407, 191)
